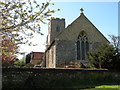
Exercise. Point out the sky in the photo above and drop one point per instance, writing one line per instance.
(104, 15)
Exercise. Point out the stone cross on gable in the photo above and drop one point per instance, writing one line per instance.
(81, 10)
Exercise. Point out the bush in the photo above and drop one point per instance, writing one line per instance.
(29, 65)
(75, 64)
(104, 57)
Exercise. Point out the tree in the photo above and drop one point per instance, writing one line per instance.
(9, 49)
(115, 41)
(20, 63)
(102, 57)
(20, 19)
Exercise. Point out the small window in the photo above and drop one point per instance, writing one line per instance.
(57, 29)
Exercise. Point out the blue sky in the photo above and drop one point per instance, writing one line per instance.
(104, 15)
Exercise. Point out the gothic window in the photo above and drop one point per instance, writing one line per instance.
(82, 46)
(57, 29)
(83, 50)
(78, 50)
(87, 46)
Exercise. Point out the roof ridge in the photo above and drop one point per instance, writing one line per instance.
(69, 25)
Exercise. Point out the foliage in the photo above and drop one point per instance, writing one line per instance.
(21, 16)
(75, 64)
(102, 57)
(9, 49)
(20, 63)
(19, 20)
(29, 65)
(107, 55)
(115, 41)
(8, 64)
(116, 62)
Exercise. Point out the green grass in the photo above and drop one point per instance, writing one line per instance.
(108, 86)
(105, 87)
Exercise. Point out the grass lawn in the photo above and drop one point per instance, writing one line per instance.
(105, 87)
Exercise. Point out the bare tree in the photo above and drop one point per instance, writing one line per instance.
(115, 41)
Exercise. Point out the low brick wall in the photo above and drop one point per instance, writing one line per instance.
(57, 78)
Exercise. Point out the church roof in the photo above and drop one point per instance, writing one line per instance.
(79, 19)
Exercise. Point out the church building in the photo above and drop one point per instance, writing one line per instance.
(71, 43)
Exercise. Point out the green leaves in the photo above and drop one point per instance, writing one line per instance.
(102, 57)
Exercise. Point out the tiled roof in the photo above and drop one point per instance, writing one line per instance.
(37, 55)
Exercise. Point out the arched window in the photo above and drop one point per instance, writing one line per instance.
(78, 50)
(82, 46)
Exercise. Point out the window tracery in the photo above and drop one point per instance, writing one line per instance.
(82, 46)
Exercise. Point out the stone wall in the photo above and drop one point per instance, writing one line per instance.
(65, 52)
(52, 29)
(51, 57)
(32, 78)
